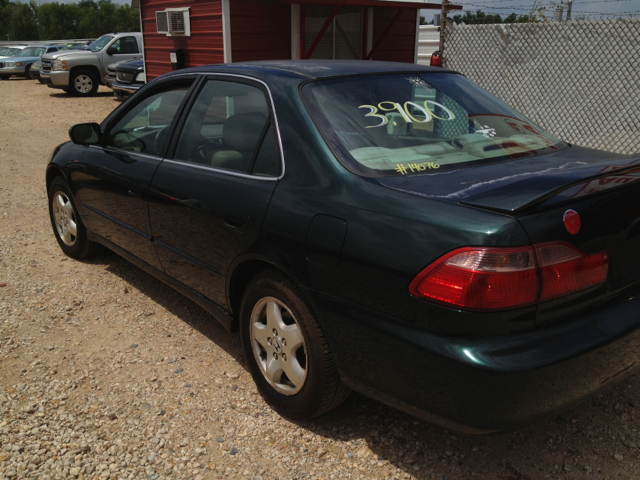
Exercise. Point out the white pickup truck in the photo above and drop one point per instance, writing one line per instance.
(81, 72)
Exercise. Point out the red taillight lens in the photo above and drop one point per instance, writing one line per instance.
(565, 269)
(502, 278)
(480, 279)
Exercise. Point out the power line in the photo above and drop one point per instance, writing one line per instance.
(515, 9)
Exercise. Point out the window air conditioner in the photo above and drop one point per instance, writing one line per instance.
(162, 22)
(174, 21)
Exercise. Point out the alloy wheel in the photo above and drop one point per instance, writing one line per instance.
(65, 219)
(83, 84)
(278, 346)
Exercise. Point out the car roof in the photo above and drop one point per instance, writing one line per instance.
(314, 69)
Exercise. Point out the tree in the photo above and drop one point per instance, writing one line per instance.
(55, 21)
(479, 17)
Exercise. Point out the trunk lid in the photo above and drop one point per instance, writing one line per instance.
(601, 187)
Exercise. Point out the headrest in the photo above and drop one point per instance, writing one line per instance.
(242, 131)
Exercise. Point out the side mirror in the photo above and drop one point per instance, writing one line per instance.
(85, 134)
(112, 51)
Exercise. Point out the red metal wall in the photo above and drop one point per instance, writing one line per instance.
(400, 42)
(203, 47)
(260, 30)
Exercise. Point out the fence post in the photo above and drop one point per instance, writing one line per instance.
(443, 27)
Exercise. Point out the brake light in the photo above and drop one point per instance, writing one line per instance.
(566, 269)
(480, 279)
(474, 278)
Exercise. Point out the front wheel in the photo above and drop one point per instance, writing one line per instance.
(68, 228)
(27, 72)
(288, 356)
(84, 83)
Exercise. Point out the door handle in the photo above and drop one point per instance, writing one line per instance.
(235, 224)
(123, 157)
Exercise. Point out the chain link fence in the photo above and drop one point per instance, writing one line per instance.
(579, 80)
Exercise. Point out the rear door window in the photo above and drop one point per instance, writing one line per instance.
(230, 127)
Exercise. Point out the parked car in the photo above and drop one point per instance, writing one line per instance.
(130, 77)
(111, 71)
(21, 63)
(445, 256)
(7, 52)
(81, 72)
(34, 70)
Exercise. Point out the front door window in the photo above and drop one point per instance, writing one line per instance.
(144, 128)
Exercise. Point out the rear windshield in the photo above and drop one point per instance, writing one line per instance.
(395, 125)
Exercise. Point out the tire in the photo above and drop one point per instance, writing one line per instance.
(27, 73)
(4, 77)
(83, 83)
(288, 343)
(41, 81)
(68, 228)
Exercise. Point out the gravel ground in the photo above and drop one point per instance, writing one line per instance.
(106, 373)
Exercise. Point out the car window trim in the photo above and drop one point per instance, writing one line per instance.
(273, 119)
(119, 113)
(256, 150)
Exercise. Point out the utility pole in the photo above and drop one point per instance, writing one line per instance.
(569, 10)
(443, 26)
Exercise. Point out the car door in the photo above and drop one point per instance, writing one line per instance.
(208, 201)
(124, 48)
(112, 180)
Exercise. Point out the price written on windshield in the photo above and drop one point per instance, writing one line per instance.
(406, 113)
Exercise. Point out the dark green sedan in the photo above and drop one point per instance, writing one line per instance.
(385, 228)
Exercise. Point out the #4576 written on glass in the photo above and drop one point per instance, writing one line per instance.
(415, 167)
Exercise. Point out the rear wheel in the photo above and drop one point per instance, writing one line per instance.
(68, 228)
(84, 83)
(288, 356)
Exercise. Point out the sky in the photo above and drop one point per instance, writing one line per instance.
(583, 8)
(580, 8)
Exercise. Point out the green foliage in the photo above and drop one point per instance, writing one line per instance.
(55, 21)
(479, 17)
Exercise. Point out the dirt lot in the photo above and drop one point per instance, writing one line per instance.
(105, 372)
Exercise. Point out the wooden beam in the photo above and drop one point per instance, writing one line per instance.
(374, 3)
(384, 34)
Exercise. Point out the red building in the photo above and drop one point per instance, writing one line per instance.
(217, 31)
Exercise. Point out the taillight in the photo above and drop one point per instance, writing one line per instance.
(480, 279)
(565, 269)
(475, 278)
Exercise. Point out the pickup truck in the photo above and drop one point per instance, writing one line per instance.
(81, 72)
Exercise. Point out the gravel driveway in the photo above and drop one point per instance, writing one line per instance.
(106, 373)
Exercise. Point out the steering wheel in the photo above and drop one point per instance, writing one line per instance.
(127, 141)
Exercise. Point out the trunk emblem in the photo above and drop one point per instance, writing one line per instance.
(572, 221)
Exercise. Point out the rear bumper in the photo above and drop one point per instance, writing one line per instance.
(484, 384)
